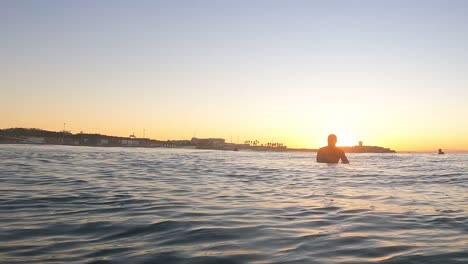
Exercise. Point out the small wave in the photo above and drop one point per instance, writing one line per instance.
(99, 205)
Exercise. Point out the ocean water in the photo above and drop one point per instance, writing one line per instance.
(63, 204)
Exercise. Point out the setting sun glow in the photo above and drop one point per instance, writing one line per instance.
(293, 74)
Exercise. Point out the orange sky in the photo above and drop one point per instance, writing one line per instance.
(392, 75)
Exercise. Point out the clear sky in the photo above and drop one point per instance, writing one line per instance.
(390, 73)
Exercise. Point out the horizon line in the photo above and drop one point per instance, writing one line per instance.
(451, 150)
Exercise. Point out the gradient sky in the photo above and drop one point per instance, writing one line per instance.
(390, 73)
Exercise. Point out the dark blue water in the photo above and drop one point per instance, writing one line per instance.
(120, 205)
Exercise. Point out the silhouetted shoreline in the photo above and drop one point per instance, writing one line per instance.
(44, 137)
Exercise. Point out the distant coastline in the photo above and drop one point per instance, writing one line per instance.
(39, 136)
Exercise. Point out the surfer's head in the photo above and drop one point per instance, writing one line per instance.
(332, 140)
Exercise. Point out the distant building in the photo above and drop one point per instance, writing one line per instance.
(367, 149)
(35, 140)
(129, 142)
(103, 141)
(208, 142)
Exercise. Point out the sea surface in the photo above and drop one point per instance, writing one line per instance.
(62, 204)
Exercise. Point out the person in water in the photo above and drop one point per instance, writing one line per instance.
(441, 152)
(330, 153)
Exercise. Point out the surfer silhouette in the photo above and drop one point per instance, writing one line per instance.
(330, 153)
(440, 152)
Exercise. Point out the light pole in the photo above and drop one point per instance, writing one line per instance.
(63, 133)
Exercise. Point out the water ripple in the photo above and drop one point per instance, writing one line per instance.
(119, 205)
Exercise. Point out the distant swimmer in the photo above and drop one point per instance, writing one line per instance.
(440, 152)
(330, 153)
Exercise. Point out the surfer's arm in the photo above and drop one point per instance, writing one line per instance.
(319, 156)
(344, 159)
